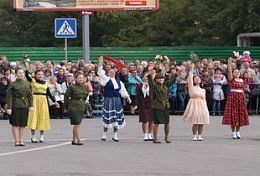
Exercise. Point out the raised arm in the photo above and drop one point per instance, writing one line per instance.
(190, 79)
(101, 73)
(150, 77)
(230, 75)
(28, 76)
(172, 80)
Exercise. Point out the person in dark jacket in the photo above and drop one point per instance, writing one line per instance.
(3, 92)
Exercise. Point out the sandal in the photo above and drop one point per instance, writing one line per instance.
(21, 144)
(156, 142)
(167, 141)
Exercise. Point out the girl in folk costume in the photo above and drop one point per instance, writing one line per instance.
(19, 102)
(114, 89)
(39, 118)
(235, 113)
(160, 105)
(144, 98)
(196, 111)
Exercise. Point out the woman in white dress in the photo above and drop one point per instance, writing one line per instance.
(196, 111)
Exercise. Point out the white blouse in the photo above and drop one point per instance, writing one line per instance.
(104, 80)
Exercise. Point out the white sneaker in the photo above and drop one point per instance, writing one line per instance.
(103, 138)
(34, 139)
(238, 135)
(195, 138)
(200, 138)
(116, 139)
(146, 137)
(150, 138)
(234, 135)
(41, 139)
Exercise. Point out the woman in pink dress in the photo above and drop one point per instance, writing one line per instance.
(235, 113)
(196, 111)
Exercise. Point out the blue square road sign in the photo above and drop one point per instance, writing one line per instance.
(65, 27)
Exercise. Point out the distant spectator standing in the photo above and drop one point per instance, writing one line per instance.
(133, 81)
(4, 83)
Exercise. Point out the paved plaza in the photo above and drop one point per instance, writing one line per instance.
(217, 155)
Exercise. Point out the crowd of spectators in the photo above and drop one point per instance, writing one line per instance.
(213, 74)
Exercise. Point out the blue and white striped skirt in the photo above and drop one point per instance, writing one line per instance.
(113, 115)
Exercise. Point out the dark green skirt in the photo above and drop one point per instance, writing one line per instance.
(19, 117)
(76, 117)
(161, 116)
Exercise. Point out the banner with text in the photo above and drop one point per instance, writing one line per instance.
(84, 5)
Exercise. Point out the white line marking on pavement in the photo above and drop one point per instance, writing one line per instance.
(36, 149)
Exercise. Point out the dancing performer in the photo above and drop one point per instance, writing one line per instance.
(196, 112)
(144, 98)
(114, 89)
(39, 118)
(74, 103)
(235, 113)
(19, 101)
(160, 104)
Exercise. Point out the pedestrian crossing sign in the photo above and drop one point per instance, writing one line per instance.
(65, 28)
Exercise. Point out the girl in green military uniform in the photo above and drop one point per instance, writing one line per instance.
(160, 103)
(74, 102)
(19, 101)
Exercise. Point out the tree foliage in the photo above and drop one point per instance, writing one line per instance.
(178, 22)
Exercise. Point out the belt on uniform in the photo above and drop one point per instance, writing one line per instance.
(39, 94)
(20, 97)
(81, 99)
(164, 102)
(236, 90)
(196, 97)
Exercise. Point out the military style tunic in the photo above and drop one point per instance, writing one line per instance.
(74, 102)
(19, 98)
(160, 103)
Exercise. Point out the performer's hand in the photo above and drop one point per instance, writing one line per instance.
(9, 111)
(101, 59)
(57, 105)
(192, 66)
(31, 109)
(129, 100)
(230, 60)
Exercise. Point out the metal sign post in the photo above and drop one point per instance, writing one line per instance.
(85, 36)
(66, 48)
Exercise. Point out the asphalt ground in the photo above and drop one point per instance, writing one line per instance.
(217, 155)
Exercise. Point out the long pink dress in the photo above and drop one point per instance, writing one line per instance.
(196, 111)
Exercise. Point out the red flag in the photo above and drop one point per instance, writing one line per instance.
(117, 63)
